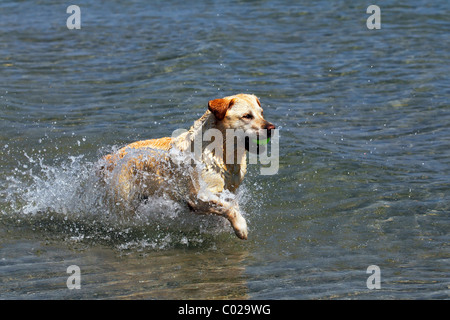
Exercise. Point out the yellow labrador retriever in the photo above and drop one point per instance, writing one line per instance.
(143, 167)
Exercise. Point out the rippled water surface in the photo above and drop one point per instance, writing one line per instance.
(364, 165)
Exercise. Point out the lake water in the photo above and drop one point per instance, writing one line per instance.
(364, 161)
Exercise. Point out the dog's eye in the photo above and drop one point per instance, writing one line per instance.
(248, 116)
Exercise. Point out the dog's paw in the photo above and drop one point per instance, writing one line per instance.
(240, 227)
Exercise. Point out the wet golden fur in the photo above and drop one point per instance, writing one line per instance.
(217, 176)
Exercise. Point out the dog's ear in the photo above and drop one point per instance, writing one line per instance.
(219, 107)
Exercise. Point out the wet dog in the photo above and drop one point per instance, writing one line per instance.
(219, 170)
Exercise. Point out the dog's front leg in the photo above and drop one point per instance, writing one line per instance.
(237, 222)
(226, 209)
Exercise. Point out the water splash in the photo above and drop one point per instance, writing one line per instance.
(67, 200)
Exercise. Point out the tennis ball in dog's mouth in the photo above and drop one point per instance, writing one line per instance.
(261, 142)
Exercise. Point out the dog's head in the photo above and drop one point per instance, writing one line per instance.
(241, 111)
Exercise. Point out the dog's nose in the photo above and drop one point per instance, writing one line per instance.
(269, 127)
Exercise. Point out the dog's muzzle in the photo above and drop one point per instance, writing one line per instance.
(269, 127)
